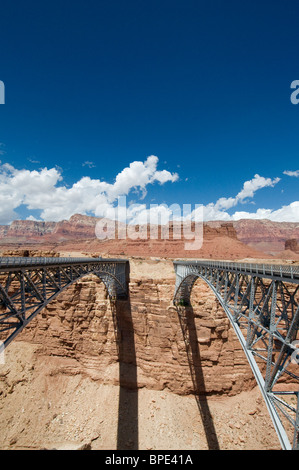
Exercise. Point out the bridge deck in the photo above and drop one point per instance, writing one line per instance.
(6, 263)
(18, 261)
(273, 271)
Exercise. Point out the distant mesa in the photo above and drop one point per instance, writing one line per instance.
(221, 240)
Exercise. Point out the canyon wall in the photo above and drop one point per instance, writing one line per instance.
(155, 346)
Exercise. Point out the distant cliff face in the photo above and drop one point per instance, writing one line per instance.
(83, 227)
(23, 229)
(225, 229)
(79, 226)
(265, 234)
(230, 240)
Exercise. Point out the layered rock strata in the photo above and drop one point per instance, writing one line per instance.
(157, 346)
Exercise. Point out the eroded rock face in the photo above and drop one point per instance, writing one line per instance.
(292, 245)
(265, 234)
(145, 342)
(30, 253)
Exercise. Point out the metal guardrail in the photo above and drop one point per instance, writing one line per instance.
(7, 262)
(279, 270)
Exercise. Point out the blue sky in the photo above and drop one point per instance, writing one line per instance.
(202, 85)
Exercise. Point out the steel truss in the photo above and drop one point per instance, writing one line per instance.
(27, 285)
(262, 304)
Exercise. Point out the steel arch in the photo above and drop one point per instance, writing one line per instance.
(27, 285)
(262, 304)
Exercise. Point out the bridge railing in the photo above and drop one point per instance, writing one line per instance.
(291, 271)
(38, 261)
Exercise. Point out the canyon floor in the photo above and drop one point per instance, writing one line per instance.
(46, 403)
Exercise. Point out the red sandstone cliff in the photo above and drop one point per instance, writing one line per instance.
(266, 235)
(23, 230)
(239, 239)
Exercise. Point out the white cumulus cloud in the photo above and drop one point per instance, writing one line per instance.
(288, 213)
(44, 190)
(218, 210)
(291, 173)
(249, 189)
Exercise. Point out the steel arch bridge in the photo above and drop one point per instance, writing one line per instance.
(262, 304)
(27, 285)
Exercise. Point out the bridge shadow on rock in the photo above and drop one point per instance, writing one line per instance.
(127, 431)
(186, 318)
